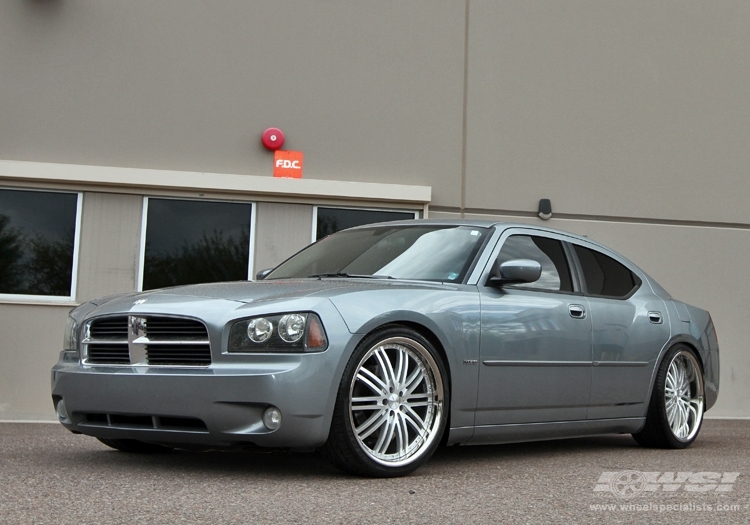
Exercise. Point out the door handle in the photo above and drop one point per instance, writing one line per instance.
(655, 317)
(577, 311)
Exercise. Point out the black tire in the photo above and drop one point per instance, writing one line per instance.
(381, 436)
(675, 412)
(135, 446)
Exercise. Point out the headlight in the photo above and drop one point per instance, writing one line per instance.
(293, 332)
(70, 338)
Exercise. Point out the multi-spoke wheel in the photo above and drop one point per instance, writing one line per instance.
(675, 413)
(391, 407)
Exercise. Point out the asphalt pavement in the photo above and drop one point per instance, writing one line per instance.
(50, 476)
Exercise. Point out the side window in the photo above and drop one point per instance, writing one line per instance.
(331, 220)
(605, 276)
(188, 242)
(547, 252)
(37, 243)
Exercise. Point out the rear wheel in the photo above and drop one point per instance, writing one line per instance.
(391, 408)
(133, 445)
(675, 413)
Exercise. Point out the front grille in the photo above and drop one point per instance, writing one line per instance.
(199, 355)
(167, 328)
(147, 340)
(110, 328)
(108, 353)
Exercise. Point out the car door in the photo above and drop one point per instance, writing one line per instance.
(629, 328)
(535, 351)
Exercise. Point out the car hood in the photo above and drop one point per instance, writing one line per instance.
(246, 292)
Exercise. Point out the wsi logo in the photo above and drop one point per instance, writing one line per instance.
(630, 483)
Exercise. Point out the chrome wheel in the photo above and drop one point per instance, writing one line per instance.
(396, 401)
(675, 411)
(683, 396)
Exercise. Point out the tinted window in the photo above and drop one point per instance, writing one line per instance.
(37, 237)
(604, 275)
(547, 252)
(331, 220)
(190, 242)
(429, 253)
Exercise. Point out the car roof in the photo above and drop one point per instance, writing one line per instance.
(505, 225)
(477, 224)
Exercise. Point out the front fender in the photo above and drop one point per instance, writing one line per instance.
(451, 316)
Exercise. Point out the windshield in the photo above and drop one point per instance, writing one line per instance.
(421, 252)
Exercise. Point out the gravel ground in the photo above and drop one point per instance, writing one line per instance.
(49, 476)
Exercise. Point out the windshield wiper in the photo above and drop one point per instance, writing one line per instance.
(351, 275)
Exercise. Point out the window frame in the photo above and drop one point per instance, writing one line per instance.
(527, 286)
(144, 227)
(575, 277)
(54, 299)
(314, 232)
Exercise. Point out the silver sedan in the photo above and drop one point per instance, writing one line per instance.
(379, 343)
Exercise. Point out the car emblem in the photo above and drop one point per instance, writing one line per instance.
(138, 326)
(139, 301)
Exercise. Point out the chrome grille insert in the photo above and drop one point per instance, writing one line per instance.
(146, 340)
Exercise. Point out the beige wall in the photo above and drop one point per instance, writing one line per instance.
(32, 340)
(369, 91)
(632, 117)
(110, 245)
(281, 231)
(615, 109)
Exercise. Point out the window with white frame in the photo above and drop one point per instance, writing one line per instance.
(195, 241)
(38, 244)
(330, 220)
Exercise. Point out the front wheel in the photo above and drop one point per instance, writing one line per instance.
(675, 412)
(392, 406)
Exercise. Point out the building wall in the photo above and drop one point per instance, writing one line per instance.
(632, 117)
(635, 109)
(32, 339)
(110, 245)
(369, 91)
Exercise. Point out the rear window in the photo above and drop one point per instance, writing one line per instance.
(604, 276)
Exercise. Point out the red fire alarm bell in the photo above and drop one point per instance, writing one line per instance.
(272, 138)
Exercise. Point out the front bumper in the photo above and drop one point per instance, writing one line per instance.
(218, 406)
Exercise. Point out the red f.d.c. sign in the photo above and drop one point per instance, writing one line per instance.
(288, 164)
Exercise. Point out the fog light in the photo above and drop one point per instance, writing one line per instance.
(272, 418)
(62, 413)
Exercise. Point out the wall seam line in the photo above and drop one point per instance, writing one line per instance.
(464, 123)
(599, 218)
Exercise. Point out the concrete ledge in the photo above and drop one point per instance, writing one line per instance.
(138, 178)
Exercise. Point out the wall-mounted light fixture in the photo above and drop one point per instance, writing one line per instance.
(545, 209)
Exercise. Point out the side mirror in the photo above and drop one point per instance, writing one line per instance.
(262, 274)
(515, 272)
